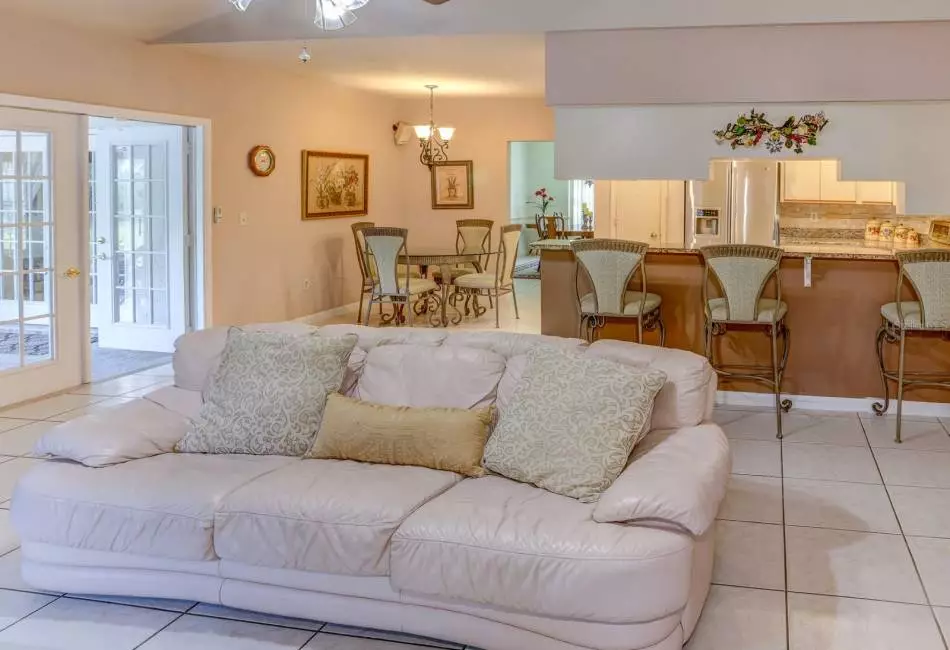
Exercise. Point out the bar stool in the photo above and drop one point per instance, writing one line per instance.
(928, 272)
(610, 265)
(742, 273)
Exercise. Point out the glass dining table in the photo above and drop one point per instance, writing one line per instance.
(447, 261)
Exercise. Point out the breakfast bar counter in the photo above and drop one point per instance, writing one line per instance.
(833, 323)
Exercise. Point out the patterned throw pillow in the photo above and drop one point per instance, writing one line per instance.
(268, 395)
(572, 422)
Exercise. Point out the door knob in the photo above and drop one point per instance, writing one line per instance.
(102, 256)
(653, 235)
(101, 240)
(72, 273)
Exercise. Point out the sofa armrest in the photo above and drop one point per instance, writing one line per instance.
(134, 430)
(681, 479)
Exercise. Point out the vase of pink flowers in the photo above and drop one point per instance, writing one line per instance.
(542, 200)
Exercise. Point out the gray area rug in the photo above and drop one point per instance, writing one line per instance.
(106, 362)
(528, 268)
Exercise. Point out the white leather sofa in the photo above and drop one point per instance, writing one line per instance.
(486, 562)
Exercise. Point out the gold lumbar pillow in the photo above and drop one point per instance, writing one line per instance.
(439, 438)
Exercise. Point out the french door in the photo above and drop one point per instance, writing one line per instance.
(41, 289)
(138, 236)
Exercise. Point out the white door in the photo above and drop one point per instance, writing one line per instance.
(638, 208)
(139, 251)
(41, 290)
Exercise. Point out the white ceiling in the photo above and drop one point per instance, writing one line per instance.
(143, 20)
(469, 47)
(509, 65)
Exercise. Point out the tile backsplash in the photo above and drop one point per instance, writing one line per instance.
(843, 216)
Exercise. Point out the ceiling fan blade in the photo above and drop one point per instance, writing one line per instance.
(436, 2)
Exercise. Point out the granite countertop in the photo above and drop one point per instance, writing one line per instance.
(855, 249)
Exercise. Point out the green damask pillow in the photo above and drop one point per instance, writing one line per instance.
(268, 394)
(572, 422)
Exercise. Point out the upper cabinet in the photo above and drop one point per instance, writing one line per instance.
(815, 181)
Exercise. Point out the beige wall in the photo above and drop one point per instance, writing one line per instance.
(259, 269)
(485, 127)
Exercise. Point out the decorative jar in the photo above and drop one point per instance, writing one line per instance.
(913, 238)
(900, 235)
(887, 231)
(872, 230)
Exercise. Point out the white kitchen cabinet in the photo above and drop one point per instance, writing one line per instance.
(801, 181)
(832, 188)
(646, 211)
(875, 192)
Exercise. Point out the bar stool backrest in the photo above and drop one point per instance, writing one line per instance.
(929, 273)
(383, 248)
(742, 272)
(508, 256)
(610, 265)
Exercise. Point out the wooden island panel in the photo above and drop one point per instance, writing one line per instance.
(833, 323)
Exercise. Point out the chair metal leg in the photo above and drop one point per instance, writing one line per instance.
(900, 386)
(359, 314)
(880, 408)
(640, 331)
(777, 382)
(514, 297)
(659, 323)
(497, 311)
(409, 310)
(369, 310)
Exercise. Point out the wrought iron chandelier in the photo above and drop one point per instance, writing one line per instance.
(434, 140)
(330, 14)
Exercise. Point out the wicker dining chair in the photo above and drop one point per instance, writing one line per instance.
(610, 265)
(367, 269)
(471, 236)
(928, 273)
(501, 282)
(742, 273)
(392, 282)
(551, 226)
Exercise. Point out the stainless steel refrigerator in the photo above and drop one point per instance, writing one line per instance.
(737, 205)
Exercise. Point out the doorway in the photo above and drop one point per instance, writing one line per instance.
(40, 266)
(141, 225)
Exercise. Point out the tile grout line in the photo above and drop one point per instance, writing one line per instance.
(160, 630)
(788, 627)
(913, 560)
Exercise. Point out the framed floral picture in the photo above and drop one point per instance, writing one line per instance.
(452, 186)
(334, 185)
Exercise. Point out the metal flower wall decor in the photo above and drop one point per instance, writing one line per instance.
(750, 130)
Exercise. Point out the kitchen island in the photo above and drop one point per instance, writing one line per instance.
(833, 322)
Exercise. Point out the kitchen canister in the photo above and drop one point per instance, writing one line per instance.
(887, 231)
(900, 235)
(913, 238)
(872, 230)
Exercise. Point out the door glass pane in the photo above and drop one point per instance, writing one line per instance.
(143, 307)
(140, 161)
(37, 342)
(140, 235)
(159, 271)
(8, 153)
(140, 198)
(26, 242)
(123, 234)
(123, 162)
(143, 271)
(160, 307)
(157, 205)
(34, 155)
(123, 197)
(157, 169)
(93, 244)
(123, 306)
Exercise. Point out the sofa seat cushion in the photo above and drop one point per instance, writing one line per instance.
(499, 543)
(161, 506)
(328, 516)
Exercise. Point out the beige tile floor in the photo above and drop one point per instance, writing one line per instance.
(833, 539)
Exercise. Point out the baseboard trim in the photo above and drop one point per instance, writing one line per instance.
(817, 403)
(320, 316)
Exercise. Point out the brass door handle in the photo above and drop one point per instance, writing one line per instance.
(72, 273)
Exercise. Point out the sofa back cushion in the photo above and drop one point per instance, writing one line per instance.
(689, 394)
(426, 376)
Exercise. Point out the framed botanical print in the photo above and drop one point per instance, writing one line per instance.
(334, 185)
(452, 186)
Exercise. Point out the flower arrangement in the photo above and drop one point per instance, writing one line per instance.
(749, 130)
(542, 200)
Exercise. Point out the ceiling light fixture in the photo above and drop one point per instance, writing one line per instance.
(330, 15)
(434, 140)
